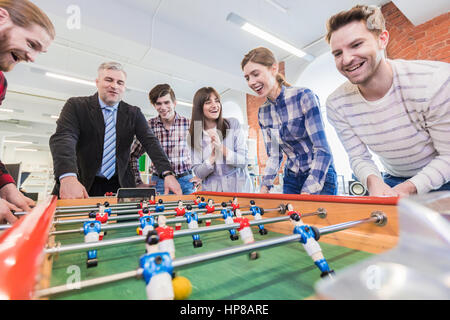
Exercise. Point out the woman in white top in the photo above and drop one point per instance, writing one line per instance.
(218, 146)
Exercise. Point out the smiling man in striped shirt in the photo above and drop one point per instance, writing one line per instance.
(398, 109)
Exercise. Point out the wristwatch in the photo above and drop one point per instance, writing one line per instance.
(167, 173)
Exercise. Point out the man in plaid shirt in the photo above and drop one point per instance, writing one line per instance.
(171, 129)
(25, 31)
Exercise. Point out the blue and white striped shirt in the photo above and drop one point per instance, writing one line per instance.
(292, 124)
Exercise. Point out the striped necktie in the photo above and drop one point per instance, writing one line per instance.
(109, 147)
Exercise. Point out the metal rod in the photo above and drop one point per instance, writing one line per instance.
(176, 234)
(131, 216)
(379, 219)
(136, 224)
(113, 205)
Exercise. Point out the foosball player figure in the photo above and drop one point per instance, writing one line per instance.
(197, 200)
(202, 203)
(227, 215)
(309, 237)
(102, 216)
(160, 206)
(245, 232)
(192, 221)
(152, 200)
(165, 234)
(257, 215)
(143, 204)
(157, 270)
(144, 212)
(92, 230)
(147, 223)
(180, 211)
(209, 210)
(235, 204)
(290, 210)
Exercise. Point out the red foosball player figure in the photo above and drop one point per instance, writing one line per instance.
(144, 211)
(245, 231)
(102, 216)
(165, 233)
(152, 200)
(197, 200)
(290, 210)
(180, 211)
(235, 204)
(143, 204)
(209, 210)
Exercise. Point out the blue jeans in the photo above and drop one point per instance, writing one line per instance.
(293, 182)
(186, 186)
(392, 181)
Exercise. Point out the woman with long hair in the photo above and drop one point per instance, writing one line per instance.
(218, 146)
(291, 123)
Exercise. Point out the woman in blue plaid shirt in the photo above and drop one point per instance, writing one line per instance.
(291, 123)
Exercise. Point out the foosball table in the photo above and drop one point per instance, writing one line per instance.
(225, 246)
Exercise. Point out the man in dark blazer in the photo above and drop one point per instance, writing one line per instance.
(79, 146)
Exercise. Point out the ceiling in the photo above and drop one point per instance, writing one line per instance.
(186, 43)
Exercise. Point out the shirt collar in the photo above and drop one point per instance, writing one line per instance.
(280, 96)
(105, 106)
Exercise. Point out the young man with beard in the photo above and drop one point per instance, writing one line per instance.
(398, 109)
(25, 31)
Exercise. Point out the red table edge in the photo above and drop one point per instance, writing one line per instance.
(306, 197)
(21, 251)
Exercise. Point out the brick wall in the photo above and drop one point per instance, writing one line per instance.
(428, 41)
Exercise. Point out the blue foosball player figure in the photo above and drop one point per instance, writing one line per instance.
(257, 214)
(202, 203)
(192, 221)
(157, 270)
(309, 237)
(147, 223)
(227, 215)
(92, 231)
(160, 206)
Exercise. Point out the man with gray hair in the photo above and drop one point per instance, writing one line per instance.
(91, 145)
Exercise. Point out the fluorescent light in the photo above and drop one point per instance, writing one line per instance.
(182, 103)
(277, 6)
(244, 25)
(29, 150)
(16, 141)
(71, 79)
(272, 39)
(6, 110)
(54, 117)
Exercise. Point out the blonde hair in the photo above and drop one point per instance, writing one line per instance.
(372, 15)
(25, 14)
(266, 58)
